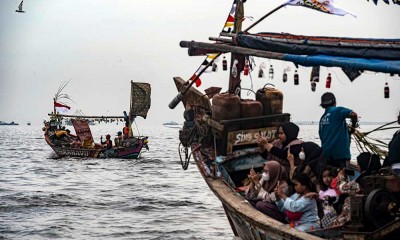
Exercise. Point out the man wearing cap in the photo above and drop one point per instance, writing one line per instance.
(118, 140)
(334, 132)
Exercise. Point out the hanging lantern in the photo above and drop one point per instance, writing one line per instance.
(224, 64)
(296, 78)
(261, 70)
(328, 81)
(284, 78)
(246, 68)
(313, 86)
(271, 72)
(260, 73)
(214, 67)
(386, 90)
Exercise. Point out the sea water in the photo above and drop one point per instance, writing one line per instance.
(42, 197)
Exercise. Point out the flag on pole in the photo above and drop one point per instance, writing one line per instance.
(61, 107)
(208, 59)
(228, 27)
(230, 21)
(325, 6)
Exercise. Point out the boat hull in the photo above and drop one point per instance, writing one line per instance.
(115, 152)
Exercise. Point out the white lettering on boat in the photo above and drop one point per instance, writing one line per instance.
(72, 152)
(250, 136)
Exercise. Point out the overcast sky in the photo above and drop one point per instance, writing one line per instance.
(101, 45)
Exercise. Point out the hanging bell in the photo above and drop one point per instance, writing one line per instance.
(224, 64)
(328, 81)
(296, 78)
(271, 72)
(260, 73)
(214, 67)
(386, 90)
(246, 68)
(284, 78)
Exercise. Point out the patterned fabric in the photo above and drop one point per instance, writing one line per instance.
(140, 99)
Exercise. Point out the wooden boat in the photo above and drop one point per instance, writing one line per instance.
(128, 148)
(224, 148)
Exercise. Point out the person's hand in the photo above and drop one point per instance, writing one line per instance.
(311, 195)
(254, 176)
(262, 141)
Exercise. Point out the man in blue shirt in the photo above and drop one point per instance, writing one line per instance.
(334, 132)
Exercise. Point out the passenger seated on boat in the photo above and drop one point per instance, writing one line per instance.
(301, 212)
(261, 194)
(118, 140)
(107, 143)
(345, 188)
(328, 196)
(312, 163)
(278, 149)
(368, 164)
(393, 158)
(47, 135)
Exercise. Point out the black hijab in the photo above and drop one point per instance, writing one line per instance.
(314, 157)
(291, 131)
(368, 163)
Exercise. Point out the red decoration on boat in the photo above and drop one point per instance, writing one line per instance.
(328, 81)
(246, 68)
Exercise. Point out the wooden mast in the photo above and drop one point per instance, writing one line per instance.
(234, 81)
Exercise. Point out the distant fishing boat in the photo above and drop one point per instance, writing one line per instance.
(83, 145)
(29, 123)
(8, 124)
(20, 7)
(172, 124)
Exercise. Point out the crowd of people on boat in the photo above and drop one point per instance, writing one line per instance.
(60, 136)
(308, 186)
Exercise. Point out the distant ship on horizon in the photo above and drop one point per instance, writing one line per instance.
(8, 124)
(172, 124)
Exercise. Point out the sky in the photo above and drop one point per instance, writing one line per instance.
(101, 45)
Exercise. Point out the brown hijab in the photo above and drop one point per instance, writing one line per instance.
(276, 173)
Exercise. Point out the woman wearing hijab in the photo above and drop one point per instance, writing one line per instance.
(261, 191)
(278, 149)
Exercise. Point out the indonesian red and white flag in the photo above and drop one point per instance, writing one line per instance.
(325, 6)
(61, 107)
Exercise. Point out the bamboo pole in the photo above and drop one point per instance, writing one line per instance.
(85, 117)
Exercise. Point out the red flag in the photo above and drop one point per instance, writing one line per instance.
(198, 80)
(61, 107)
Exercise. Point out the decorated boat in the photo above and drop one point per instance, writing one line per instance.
(126, 146)
(221, 129)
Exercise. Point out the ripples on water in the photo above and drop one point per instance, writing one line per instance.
(148, 198)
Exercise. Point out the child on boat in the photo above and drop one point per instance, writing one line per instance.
(328, 196)
(301, 212)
